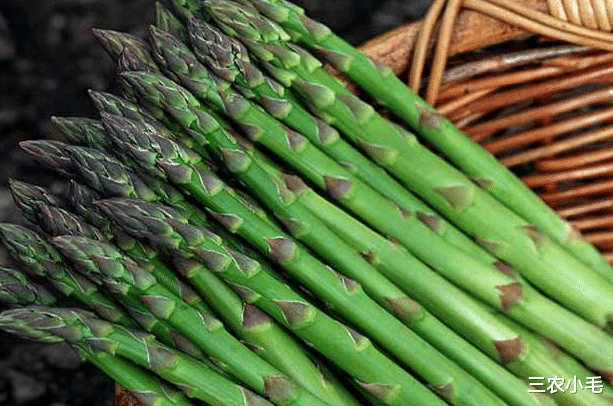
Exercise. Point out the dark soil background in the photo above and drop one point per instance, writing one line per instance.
(48, 60)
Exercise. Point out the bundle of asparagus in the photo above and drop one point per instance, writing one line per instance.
(241, 229)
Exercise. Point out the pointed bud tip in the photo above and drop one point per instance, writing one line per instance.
(99, 34)
(94, 95)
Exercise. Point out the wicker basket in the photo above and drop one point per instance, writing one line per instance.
(532, 81)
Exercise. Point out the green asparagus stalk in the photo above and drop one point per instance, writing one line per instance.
(56, 221)
(571, 366)
(44, 260)
(81, 131)
(76, 326)
(380, 82)
(130, 52)
(229, 59)
(345, 347)
(538, 258)
(324, 242)
(112, 104)
(41, 259)
(106, 174)
(263, 336)
(126, 278)
(16, 289)
(496, 288)
(145, 387)
(529, 308)
(357, 196)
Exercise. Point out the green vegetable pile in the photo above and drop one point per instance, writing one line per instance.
(241, 229)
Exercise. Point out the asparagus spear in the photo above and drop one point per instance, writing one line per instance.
(41, 259)
(530, 309)
(149, 142)
(107, 175)
(115, 43)
(80, 130)
(167, 21)
(357, 196)
(126, 278)
(492, 286)
(24, 194)
(146, 388)
(229, 59)
(348, 349)
(56, 221)
(16, 289)
(380, 82)
(507, 236)
(75, 326)
(80, 200)
(262, 335)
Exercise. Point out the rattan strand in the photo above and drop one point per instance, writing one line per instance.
(581, 11)
(590, 13)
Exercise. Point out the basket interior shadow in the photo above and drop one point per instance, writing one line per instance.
(532, 82)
